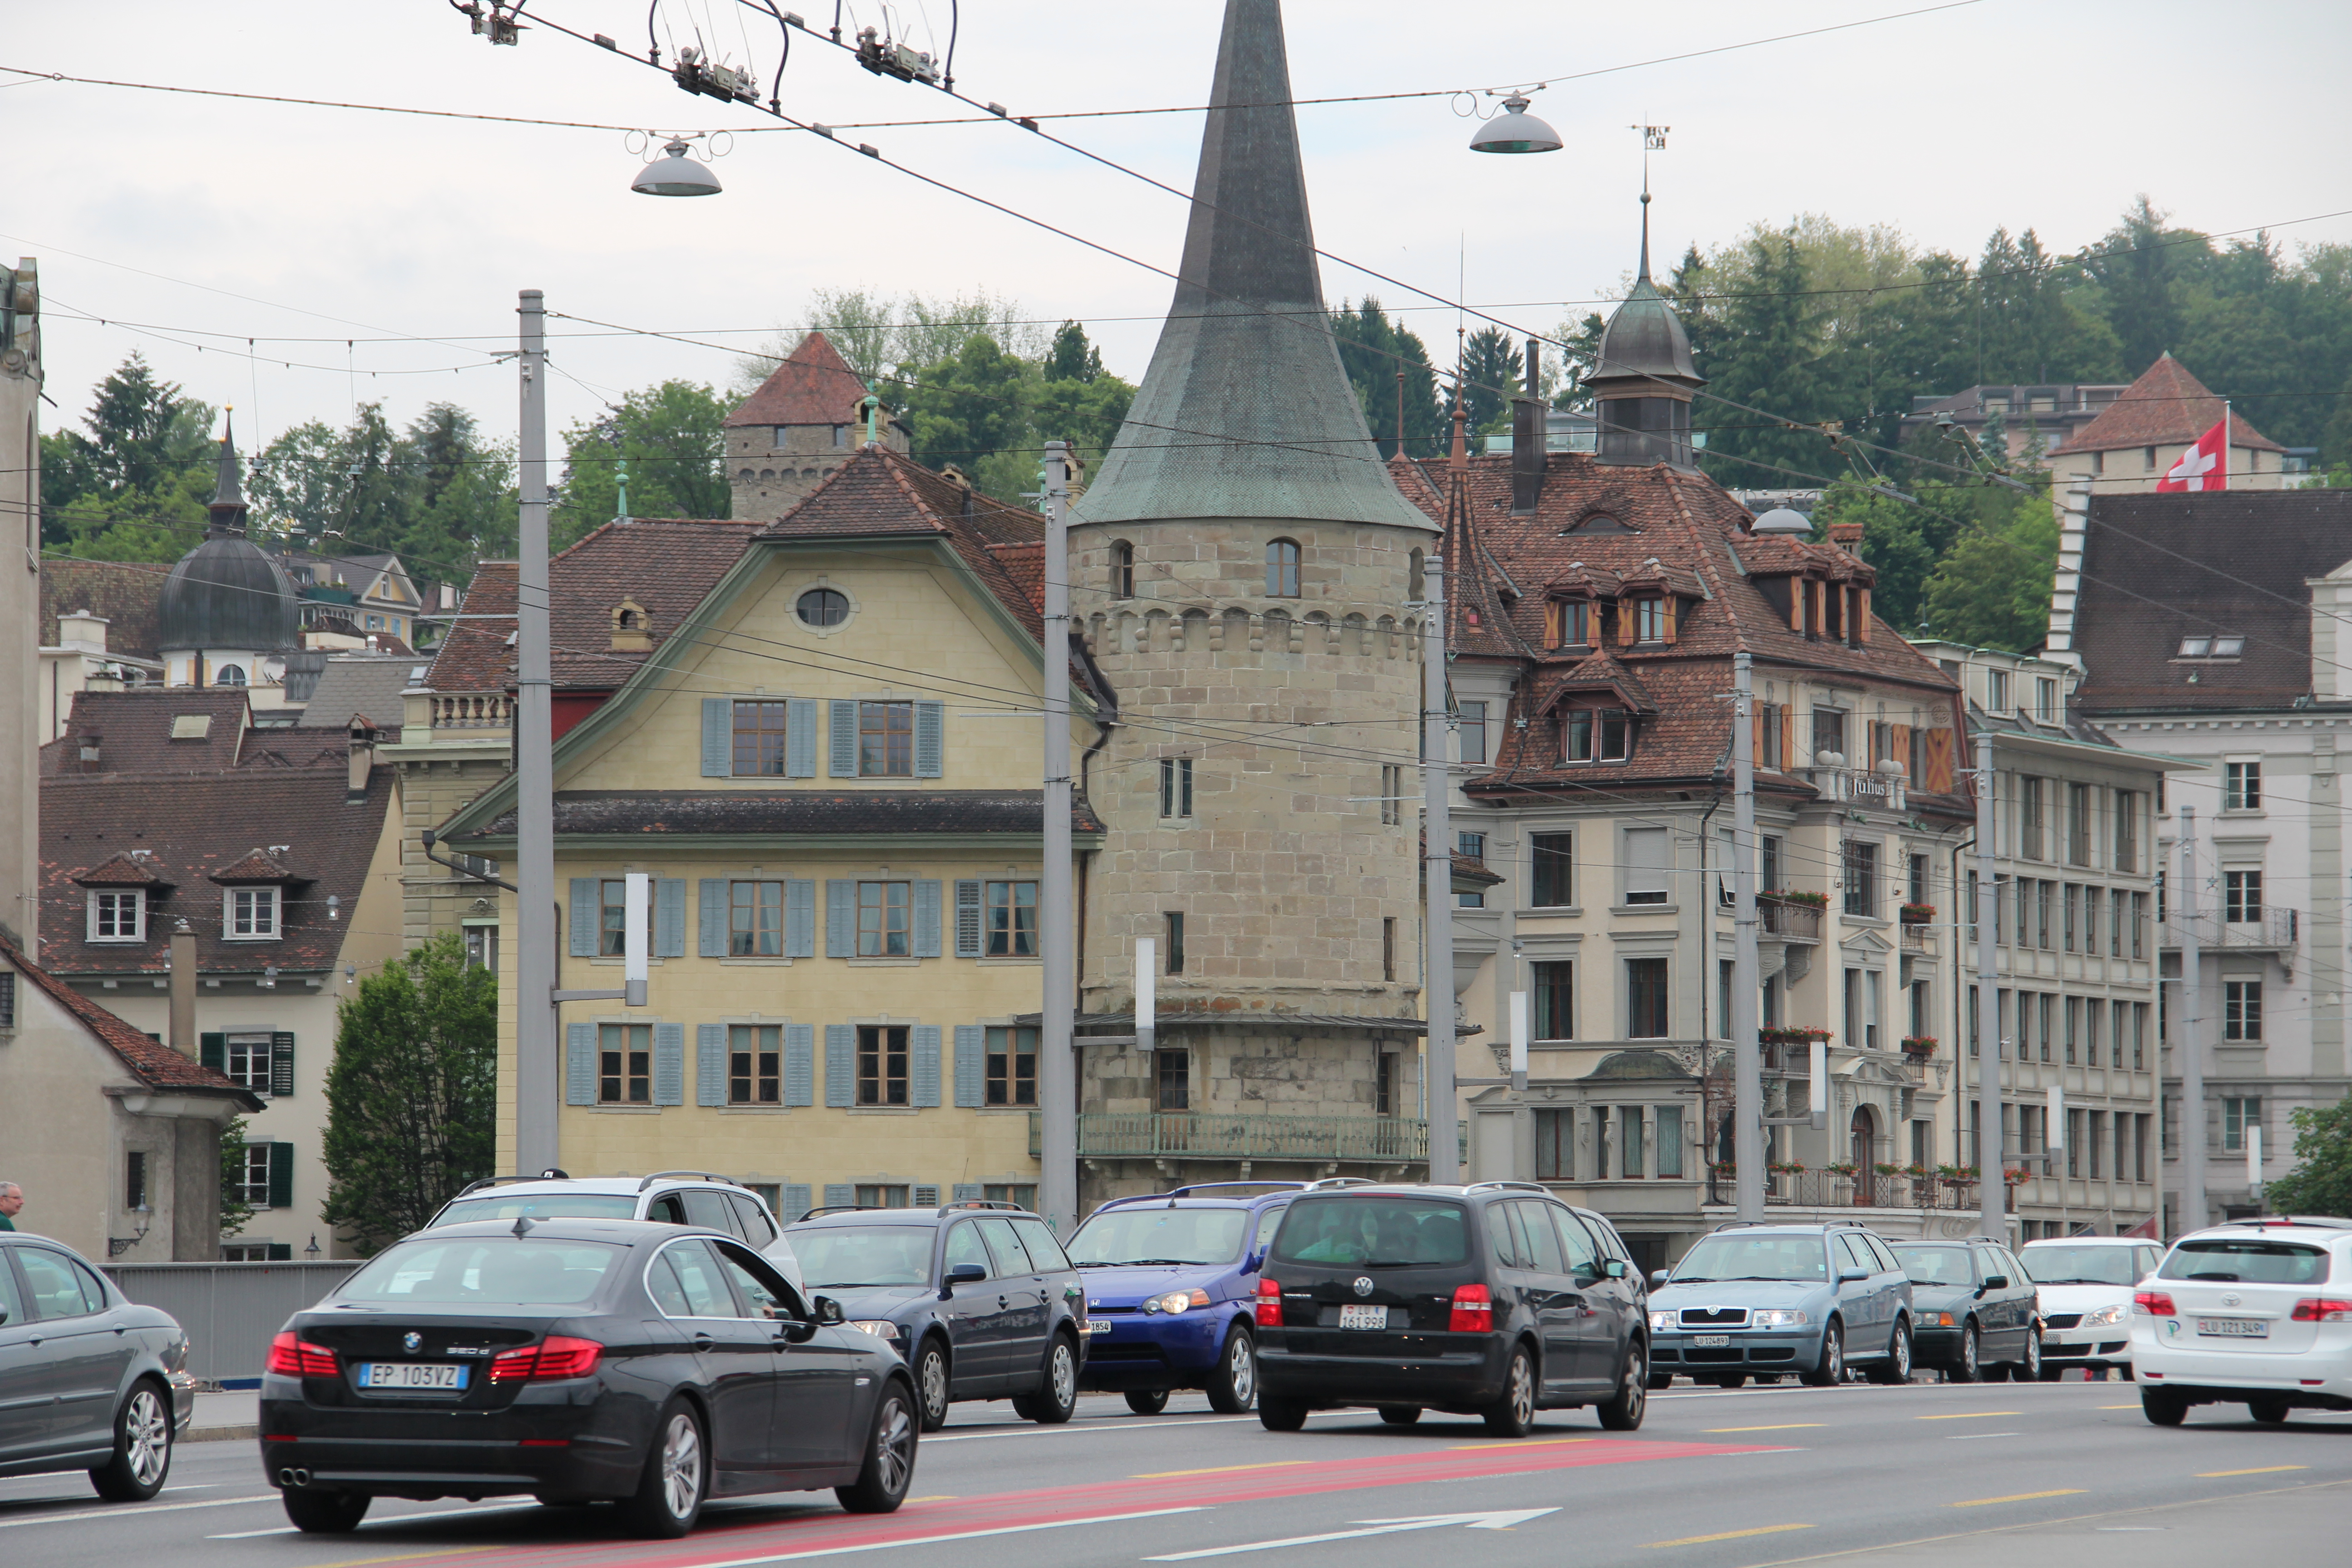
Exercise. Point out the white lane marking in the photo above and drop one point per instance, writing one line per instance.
(1972, 1436)
(1503, 1521)
(387, 1518)
(957, 1535)
(1075, 1428)
(132, 1511)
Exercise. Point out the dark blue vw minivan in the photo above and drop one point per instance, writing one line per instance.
(1171, 1279)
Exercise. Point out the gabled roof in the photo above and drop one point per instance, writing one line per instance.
(665, 565)
(2158, 568)
(2167, 406)
(134, 730)
(155, 1065)
(120, 869)
(370, 685)
(815, 386)
(201, 830)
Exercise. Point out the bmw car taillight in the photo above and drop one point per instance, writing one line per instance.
(1270, 1304)
(291, 1356)
(2322, 1309)
(2155, 1303)
(1474, 1311)
(557, 1356)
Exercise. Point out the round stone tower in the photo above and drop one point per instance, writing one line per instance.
(1243, 570)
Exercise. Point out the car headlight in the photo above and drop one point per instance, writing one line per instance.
(1664, 1320)
(1177, 1301)
(1939, 1321)
(880, 1328)
(2105, 1316)
(1779, 1317)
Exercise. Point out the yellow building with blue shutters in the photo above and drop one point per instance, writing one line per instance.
(830, 771)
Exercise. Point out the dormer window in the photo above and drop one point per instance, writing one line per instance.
(250, 914)
(1569, 623)
(1598, 735)
(118, 915)
(632, 628)
(2213, 648)
(1654, 620)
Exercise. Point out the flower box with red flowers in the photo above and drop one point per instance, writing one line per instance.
(1916, 914)
(1918, 1045)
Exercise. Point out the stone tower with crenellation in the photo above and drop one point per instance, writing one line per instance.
(1244, 573)
(807, 419)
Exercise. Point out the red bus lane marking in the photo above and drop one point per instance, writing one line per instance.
(750, 1543)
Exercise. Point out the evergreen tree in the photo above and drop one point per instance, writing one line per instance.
(1991, 587)
(968, 408)
(1072, 357)
(1372, 349)
(673, 439)
(1770, 358)
(413, 1094)
(1494, 370)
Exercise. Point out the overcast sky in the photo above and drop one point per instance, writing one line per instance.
(193, 216)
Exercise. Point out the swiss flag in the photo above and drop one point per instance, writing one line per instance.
(2205, 466)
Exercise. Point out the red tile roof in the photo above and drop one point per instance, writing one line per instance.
(257, 866)
(815, 386)
(120, 869)
(154, 1064)
(133, 734)
(2167, 406)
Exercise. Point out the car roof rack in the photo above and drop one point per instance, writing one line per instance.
(1744, 1224)
(2323, 1222)
(1513, 1186)
(691, 1176)
(550, 1174)
(843, 1208)
(1328, 1182)
(1188, 1188)
(980, 1204)
(1845, 1224)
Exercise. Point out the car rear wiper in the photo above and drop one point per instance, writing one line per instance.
(1147, 1262)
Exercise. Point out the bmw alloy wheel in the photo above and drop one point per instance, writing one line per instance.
(681, 1464)
(893, 1446)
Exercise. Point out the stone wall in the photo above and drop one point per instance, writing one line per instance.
(769, 478)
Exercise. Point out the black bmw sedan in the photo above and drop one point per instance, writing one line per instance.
(579, 1360)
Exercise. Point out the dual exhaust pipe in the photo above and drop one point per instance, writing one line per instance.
(293, 1477)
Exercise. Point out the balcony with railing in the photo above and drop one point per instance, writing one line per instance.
(472, 711)
(2262, 928)
(1787, 919)
(1870, 1189)
(1205, 1135)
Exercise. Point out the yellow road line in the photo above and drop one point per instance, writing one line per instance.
(1783, 1427)
(1969, 1415)
(2263, 1471)
(2018, 1496)
(1218, 1470)
(1731, 1535)
(1506, 1443)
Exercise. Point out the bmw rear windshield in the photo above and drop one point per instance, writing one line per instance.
(1372, 1231)
(484, 1271)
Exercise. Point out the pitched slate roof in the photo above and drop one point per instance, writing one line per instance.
(124, 592)
(1601, 529)
(815, 386)
(367, 684)
(666, 565)
(801, 811)
(2158, 568)
(198, 830)
(155, 1065)
(2165, 407)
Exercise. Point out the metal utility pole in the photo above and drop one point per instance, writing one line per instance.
(2192, 1037)
(537, 1080)
(1992, 1188)
(1057, 1092)
(1746, 1055)
(1437, 875)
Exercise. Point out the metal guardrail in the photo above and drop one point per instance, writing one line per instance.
(1789, 923)
(1202, 1135)
(1827, 1189)
(230, 1310)
(2272, 928)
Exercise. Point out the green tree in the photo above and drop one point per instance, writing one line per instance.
(234, 1210)
(145, 469)
(673, 438)
(1493, 368)
(412, 1096)
(2321, 1181)
(1372, 349)
(966, 409)
(1072, 357)
(1992, 588)
(1770, 358)
(1086, 414)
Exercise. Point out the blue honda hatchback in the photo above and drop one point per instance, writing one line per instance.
(1171, 1281)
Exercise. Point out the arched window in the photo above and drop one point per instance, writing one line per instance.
(1122, 570)
(1416, 585)
(1282, 569)
(229, 675)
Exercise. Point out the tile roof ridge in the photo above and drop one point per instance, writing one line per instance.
(1703, 565)
(130, 1044)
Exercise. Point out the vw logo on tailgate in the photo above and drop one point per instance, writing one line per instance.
(1363, 1284)
(412, 1341)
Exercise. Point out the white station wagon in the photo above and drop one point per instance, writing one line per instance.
(2256, 1312)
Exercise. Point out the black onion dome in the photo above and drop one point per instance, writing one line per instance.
(226, 594)
(1645, 337)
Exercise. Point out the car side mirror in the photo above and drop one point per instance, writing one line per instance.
(1850, 1276)
(828, 1310)
(1254, 1262)
(1657, 1279)
(1996, 1282)
(963, 1274)
(1614, 1268)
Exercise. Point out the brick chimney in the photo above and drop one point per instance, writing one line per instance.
(1847, 536)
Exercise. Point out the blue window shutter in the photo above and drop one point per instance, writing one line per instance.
(213, 1051)
(800, 919)
(924, 1066)
(669, 917)
(795, 1200)
(970, 1066)
(840, 918)
(840, 1065)
(711, 938)
(843, 762)
(966, 1191)
(799, 1065)
(800, 738)
(580, 1064)
(839, 1195)
(281, 1175)
(670, 1064)
(930, 742)
(926, 920)
(717, 737)
(586, 913)
(925, 1196)
(967, 919)
(710, 1064)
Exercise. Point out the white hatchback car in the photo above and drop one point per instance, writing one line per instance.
(2086, 1285)
(2257, 1312)
(672, 1197)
